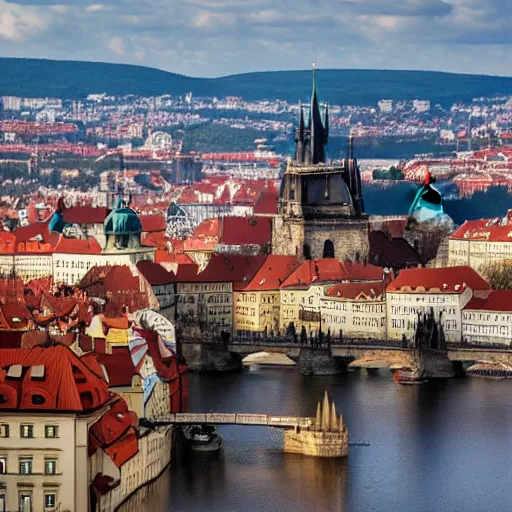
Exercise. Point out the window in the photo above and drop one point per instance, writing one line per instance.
(51, 431)
(25, 466)
(26, 430)
(2, 502)
(50, 466)
(50, 500)
(3, 399)
(25, 502)
(4, 430)
(38, 400)
(3, 466)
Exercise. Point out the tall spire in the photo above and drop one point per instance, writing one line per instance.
(317, 130)
(326, 123)
(299, 137)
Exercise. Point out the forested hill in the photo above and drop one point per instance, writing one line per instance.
(73, 79)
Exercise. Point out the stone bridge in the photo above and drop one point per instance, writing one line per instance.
(204, 355)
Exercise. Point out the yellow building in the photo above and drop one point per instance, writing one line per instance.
(303, 291)
(257, 303)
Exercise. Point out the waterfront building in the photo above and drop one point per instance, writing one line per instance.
(442, 291)
(302, 291)
(488, 319)
(354, 310)
(205, 300)
(478, 243)
(257, 303)
(321, 210)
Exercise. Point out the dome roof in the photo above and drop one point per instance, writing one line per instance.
(122, 221)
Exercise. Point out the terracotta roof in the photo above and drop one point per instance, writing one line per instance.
(119, 366)
(26, 233)
(448, 280)
(483, 229)
(245, 231)
(497, 300)
(271, 274)
(368, 290)
(155, 273)
(331, 270)
(14, 315)
(229, 269)
(153, 223)
(78, 246)
(66, 384)
(266, 204)
(85, 215)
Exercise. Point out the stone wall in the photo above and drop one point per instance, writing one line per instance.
(318, 361)
(209, 357)
(288, 236)
(316, 444)
(349, 237)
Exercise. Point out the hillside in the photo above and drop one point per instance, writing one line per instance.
(73, 79)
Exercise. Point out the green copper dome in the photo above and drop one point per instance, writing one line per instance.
(122, 221)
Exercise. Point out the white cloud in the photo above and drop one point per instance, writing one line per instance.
(18, 22)
(95, 8)
(116, 45)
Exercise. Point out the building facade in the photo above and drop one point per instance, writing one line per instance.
(320, 209)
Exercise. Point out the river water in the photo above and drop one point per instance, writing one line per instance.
(441, 447)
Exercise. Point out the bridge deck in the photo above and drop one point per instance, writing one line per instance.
(265, 420)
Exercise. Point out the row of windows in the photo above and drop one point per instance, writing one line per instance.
(27, 430)
(72, 264)
(26, 501)
(25, 465)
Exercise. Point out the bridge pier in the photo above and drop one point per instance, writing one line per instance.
(210, 357)
(319, 361)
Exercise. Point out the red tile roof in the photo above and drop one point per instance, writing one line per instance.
(497, 300)
(37, 229)
(67, 385)
(266, 204)
(483, 229)
(152, 223)
(85, 215)
(155, 273)
(369, 290)
(448, 280)
(14, 315)
(119, 366)
(78, 246)
(229, 269)
(271, 274)
(246, 231)
(331, 270)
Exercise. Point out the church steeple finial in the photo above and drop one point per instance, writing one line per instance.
(318, 133)
(300, 137)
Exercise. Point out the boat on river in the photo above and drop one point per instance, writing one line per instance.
(202, 438)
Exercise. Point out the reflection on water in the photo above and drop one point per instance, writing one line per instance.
(442, 447)
(152, 497)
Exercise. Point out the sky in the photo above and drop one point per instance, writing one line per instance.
(221, 37)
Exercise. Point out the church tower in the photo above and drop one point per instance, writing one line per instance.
(321, 206)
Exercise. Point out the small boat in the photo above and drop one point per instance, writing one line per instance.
(408, 377)
(202, 438)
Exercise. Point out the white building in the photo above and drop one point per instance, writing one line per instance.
(385, 106)
(421, 106)
(357, 310)
(488, 319)
(444, 291)
(480, 242)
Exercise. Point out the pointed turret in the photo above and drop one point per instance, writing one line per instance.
(355, 177)
(299, 137)
(317, 130)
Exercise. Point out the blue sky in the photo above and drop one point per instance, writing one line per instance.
(220, 37)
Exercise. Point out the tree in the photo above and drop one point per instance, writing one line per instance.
(498, 275)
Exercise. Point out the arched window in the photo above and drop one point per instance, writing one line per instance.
(328, 249)
(306, 251)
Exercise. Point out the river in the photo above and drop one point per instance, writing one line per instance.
(440, 447)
